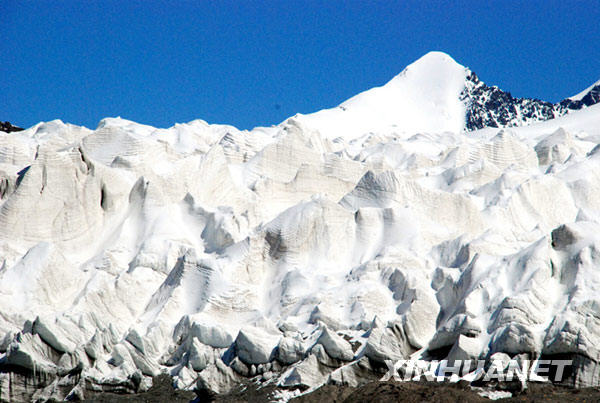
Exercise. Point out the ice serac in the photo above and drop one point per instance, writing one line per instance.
(306, 253)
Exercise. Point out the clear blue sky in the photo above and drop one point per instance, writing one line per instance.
(250, 63)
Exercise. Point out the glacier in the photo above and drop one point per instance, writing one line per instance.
(305, 253)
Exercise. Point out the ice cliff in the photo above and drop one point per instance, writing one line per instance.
(304, 253)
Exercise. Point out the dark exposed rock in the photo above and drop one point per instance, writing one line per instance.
(161, 391)
(492, 107)
(7, 127)
(591, 98)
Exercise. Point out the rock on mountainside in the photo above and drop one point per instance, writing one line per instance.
(298, 255)
(8, 127)
(492, 107)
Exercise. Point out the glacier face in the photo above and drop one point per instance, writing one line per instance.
(300, 254)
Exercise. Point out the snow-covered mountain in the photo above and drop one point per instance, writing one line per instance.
(304, 253)
(436, 94)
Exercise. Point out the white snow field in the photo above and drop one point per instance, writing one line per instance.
(301, 254)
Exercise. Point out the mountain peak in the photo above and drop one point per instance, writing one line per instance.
(436, 94)
(432, 66)
(424, 97)
(435, 58)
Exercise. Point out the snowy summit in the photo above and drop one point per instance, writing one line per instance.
(424, 97)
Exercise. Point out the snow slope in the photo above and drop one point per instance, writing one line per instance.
(422, 98)
(300, 254)
(583, 93)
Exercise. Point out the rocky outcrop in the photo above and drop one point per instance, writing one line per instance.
(7, 127)
(492, 107)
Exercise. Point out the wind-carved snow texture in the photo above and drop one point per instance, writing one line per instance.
(300, 254)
